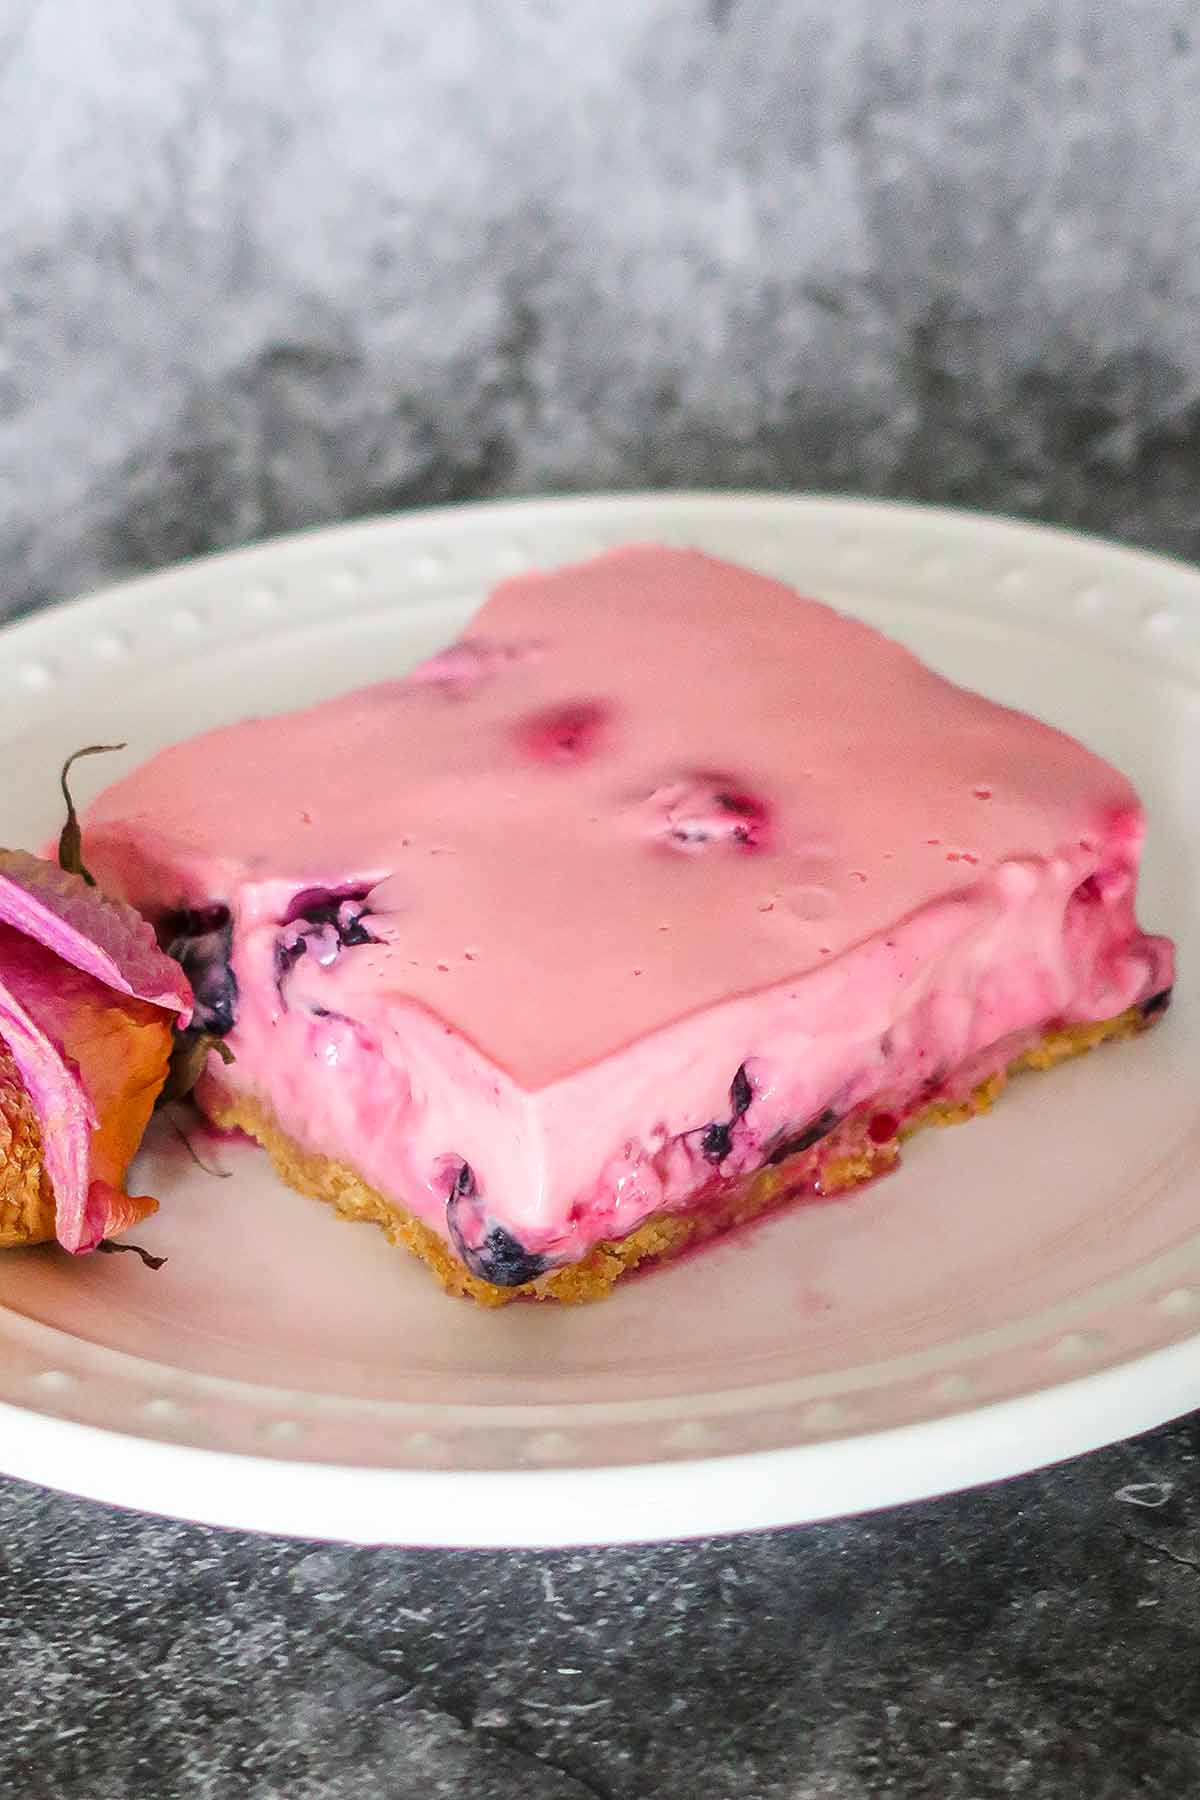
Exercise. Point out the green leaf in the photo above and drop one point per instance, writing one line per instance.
(70, 842)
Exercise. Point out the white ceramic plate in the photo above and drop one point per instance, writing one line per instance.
(1026, 1288)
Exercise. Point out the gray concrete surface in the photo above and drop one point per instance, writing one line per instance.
(1040, 1639)
(267, 263)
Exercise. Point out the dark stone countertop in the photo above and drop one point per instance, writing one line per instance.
(1035, 1638)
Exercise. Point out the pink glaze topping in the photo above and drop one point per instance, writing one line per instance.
(653, 819)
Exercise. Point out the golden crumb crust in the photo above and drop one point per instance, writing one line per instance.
(845, 1160)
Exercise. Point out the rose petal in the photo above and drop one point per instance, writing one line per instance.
(103, 937)
(109, 1210)
(65, 1116)
(115, 1047)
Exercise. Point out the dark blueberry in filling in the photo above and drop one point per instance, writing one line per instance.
(700, 810)
(503, 1260)
(352, 931)
(813, 1132)
(1157, 1003)
(287, 954)
(337, 918)
(344, 912)
(717, 1141)
(495, 1254)
(746, 814)
(201, 941)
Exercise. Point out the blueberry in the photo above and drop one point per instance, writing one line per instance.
(201, 941)
(337, 918)
(696, 811)
(344, 912)
(496, 1255)
(813, 1132)
(288, 951)
(716, 1143)
(503, 1260)
(352, 931)
(746, 816)
(1157, 1003)
(741, 1093)
(316, 907)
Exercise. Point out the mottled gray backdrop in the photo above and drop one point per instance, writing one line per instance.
(267, 262)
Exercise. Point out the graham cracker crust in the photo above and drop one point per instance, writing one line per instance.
(845, 1159)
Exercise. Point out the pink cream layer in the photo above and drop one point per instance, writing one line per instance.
(653, 821)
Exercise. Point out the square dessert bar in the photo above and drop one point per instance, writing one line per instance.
(661, 896)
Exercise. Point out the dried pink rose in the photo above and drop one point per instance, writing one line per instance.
(88, 1006)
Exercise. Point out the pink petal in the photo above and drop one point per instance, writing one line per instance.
(65, 1115)
(109, 1211)
(103, 937)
